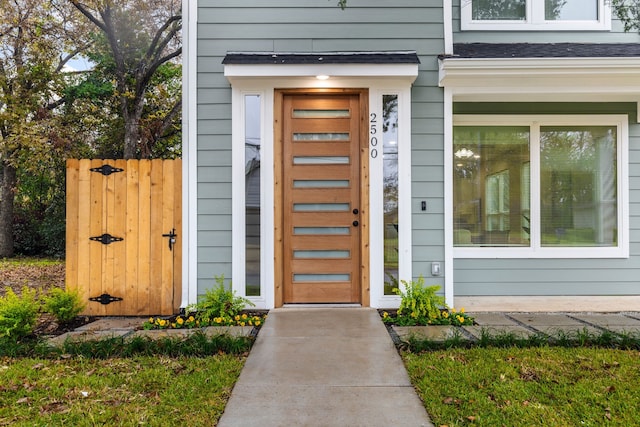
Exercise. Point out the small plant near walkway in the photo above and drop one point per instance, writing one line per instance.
(420, 305)
(219, 306)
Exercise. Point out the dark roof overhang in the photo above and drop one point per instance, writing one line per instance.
(306, 58)
(544, 50)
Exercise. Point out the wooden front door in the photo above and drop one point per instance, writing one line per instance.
(321, 198)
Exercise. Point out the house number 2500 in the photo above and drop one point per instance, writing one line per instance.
(373, 139)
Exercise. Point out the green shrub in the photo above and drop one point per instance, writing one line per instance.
(219, 302)
(18, 314)
(421, 305)
(64, 305)
(419, 301)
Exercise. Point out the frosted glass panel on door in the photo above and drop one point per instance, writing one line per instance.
(321, 230)
(321, 277)
(321, 183)
(321, 254)
(323, 207)
(320, 114)
(320, 137)
(321, 160)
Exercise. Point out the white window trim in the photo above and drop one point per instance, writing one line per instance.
(238, 208)
(535, 20)
(263, 80)
(536, 250)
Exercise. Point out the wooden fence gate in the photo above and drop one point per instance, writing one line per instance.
(124, 220)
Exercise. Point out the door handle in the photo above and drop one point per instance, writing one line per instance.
(172, 238)
(355, 223)
(356, 211)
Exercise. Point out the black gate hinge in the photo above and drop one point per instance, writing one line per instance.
(106, 170)
(105, 299)
(106, 239)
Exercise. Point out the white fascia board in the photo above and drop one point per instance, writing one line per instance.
(540, 75)
(239, 71)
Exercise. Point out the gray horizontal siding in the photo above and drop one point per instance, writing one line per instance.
(616, 35)
(308, 26)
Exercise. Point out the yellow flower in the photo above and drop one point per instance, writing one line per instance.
(257, 323)
(445, 314)
(237, 317)
(242, 323)
(462, 310)
(244, 316)
(173, 325)
(218, 320)
(460, 319)
(191, 319)
(179, 320)
(150, 319)
(385, 315)
(162, 322)
(453, 310)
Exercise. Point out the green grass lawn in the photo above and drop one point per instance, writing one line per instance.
(543, 386)
(139, 391)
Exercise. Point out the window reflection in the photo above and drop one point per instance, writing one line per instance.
(491, 186)
(390, 188)
(252, 193)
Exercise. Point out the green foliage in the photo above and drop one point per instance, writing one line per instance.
(64, 305)
(628, 11)
(18, 314)
(219, 302)
(420, 303)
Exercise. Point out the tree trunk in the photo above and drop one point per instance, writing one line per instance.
(8, 182)
(131, 139)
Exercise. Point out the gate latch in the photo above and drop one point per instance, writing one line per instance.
(172, 238)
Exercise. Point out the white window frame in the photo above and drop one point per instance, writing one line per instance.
(535, 20)
(536, 250)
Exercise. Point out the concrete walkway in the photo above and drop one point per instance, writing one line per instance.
(324, 367)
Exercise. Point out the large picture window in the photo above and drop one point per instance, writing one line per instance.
(535, 15)
(544, 185)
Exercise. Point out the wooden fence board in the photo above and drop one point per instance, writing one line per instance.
(167, 224)
(138, 205)
(133, 239)
(71, 243)
(157, 247)
(177, 251)
(96, 254)
(144, 227)
(119, 249)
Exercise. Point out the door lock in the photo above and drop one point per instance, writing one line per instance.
(355, 223)
(356, 211)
